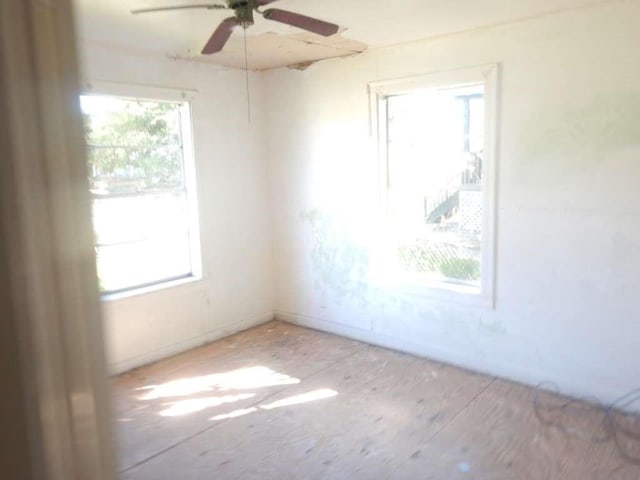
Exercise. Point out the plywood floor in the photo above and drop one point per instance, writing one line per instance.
(283, 402)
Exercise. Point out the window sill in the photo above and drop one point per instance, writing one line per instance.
(444, 293)
(136, 292)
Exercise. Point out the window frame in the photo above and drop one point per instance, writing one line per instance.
(184, 97)
(487, 75)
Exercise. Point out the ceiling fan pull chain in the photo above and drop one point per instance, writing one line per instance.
(246, 71)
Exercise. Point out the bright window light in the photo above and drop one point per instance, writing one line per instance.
(436, 142)
(139, 154)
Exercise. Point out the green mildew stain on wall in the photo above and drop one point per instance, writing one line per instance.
(604, 124)
(342, 270)
(557, 145)
(492, 328)
(340, 265)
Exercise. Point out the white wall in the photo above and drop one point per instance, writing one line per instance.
(568, 202)
(231, 165)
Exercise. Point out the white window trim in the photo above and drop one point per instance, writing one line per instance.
(489, 76)
(185, 97)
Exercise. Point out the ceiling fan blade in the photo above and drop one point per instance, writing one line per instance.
(220, 36)
(209, 6)
(264, 2)
(301, 21)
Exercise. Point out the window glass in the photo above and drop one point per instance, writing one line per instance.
(435, 141)
(137, 180)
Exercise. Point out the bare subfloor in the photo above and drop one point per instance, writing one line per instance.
(283, 402)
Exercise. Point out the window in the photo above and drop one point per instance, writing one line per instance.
(436, 148)
(141, 179)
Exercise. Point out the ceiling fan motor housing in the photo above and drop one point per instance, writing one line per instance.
(244, 11)
(243, 16)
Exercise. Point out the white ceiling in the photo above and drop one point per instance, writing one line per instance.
(367, 23)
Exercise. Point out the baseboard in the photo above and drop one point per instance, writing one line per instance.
(181, 346)
(528, 375)
(373, 338)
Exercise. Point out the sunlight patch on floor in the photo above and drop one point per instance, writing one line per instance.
(242, 379)
(192, 405)
(304, 398)
(312, 396)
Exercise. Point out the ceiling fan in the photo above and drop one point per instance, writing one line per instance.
(243, 17)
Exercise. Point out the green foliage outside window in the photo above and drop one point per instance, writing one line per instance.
(134, 146)
(450, 261)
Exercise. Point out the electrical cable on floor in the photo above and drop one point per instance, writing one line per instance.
(611, 427)
(616, 429)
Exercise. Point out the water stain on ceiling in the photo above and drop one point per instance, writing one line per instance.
(272, 50)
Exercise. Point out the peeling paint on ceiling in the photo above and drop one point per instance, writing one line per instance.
(270, 50)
